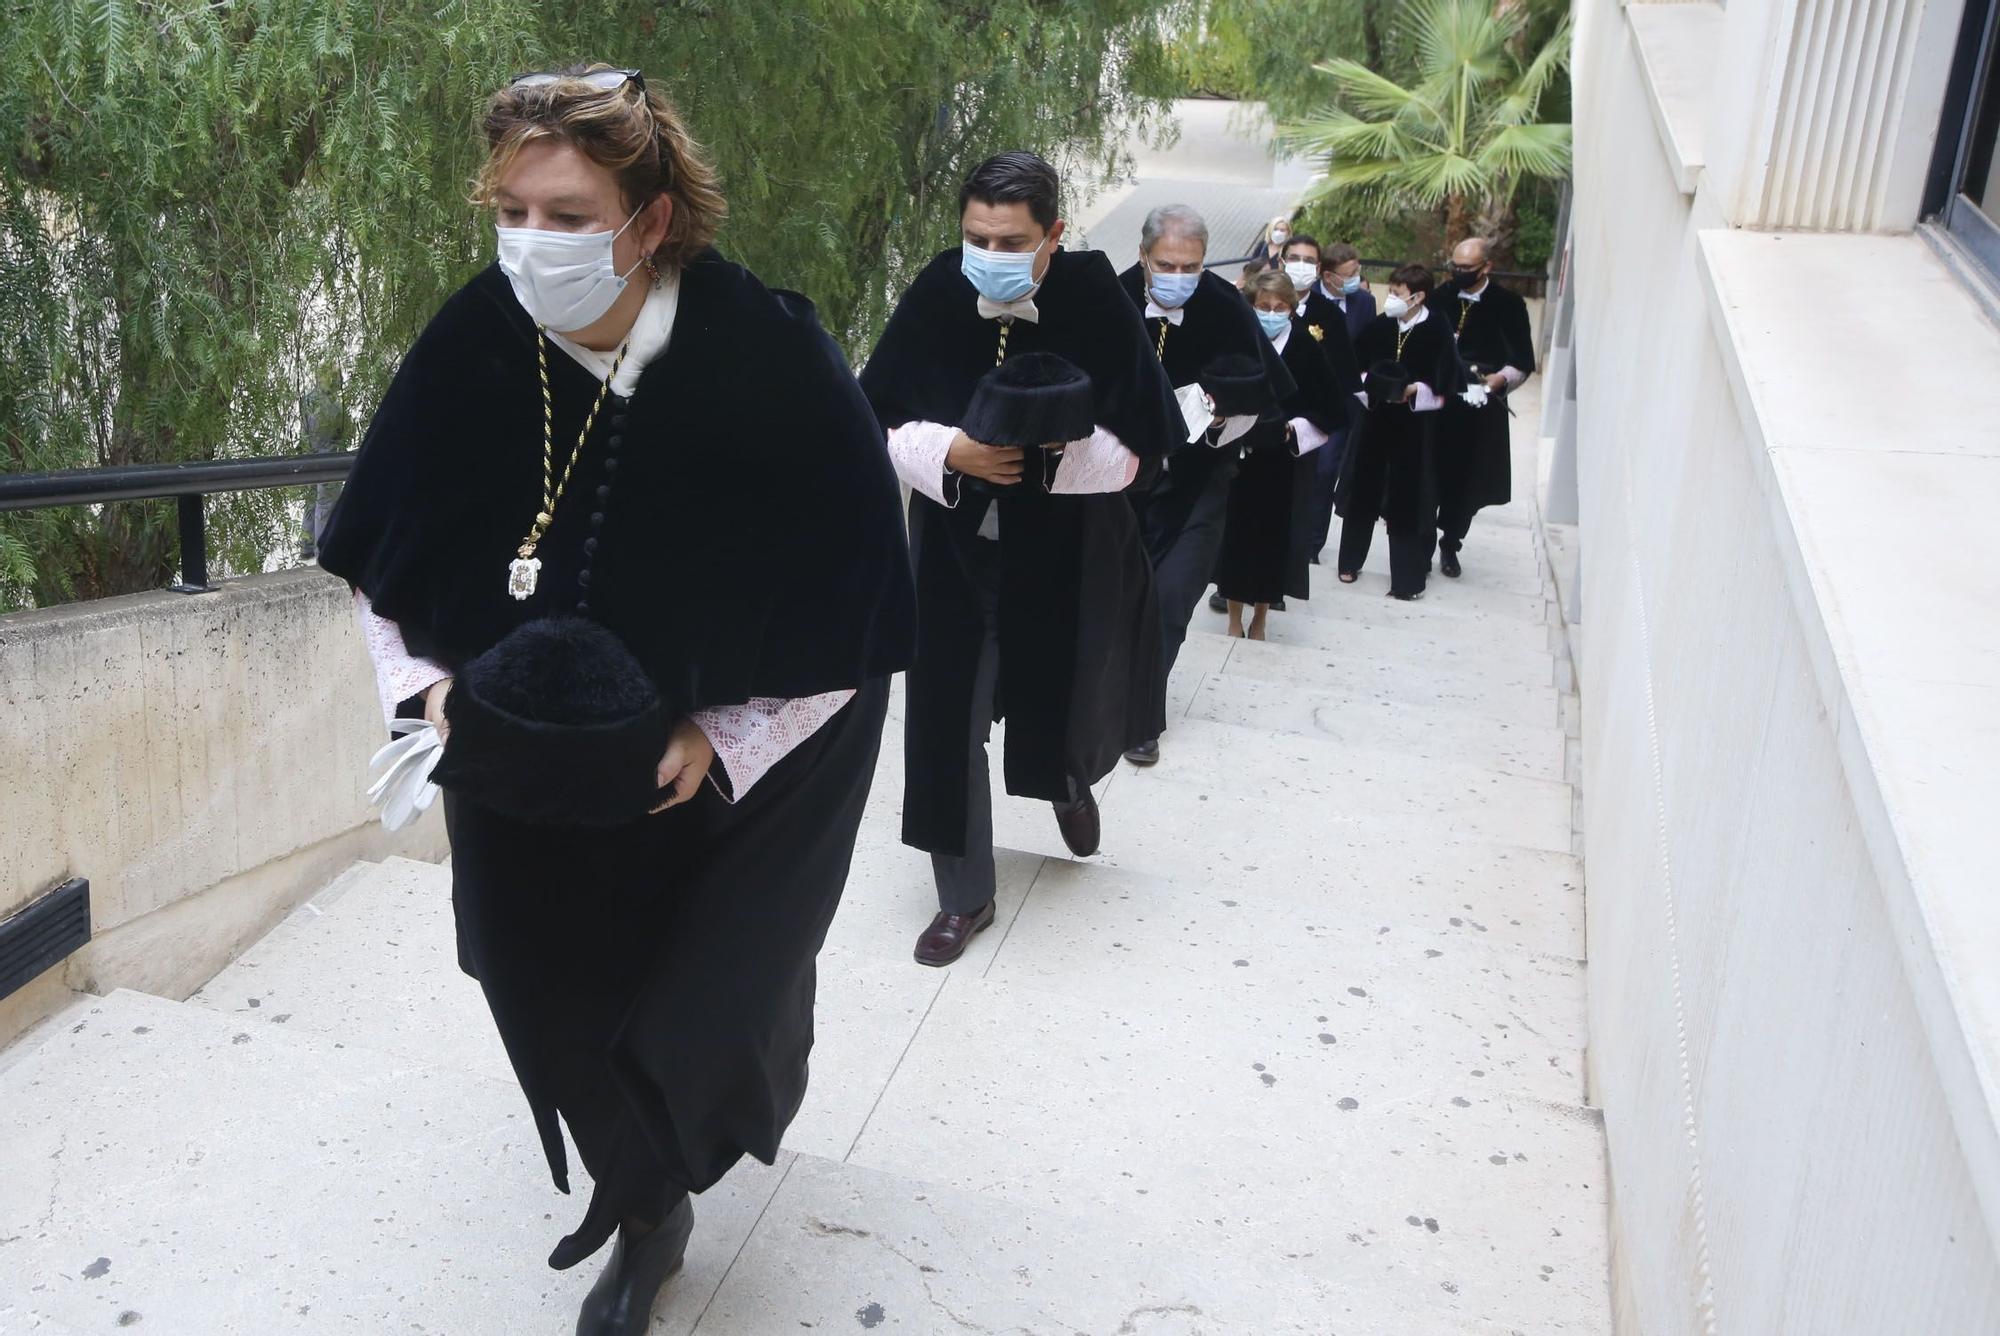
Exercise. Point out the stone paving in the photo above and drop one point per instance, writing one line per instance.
(1301, 1051)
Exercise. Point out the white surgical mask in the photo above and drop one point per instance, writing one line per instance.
(1301, 272)
(564, 280)
(1396, 307)
(1279, 236)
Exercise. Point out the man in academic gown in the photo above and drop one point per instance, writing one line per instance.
(1192, 318)
(1338, 306)
(1498, 348)
(1035, 598)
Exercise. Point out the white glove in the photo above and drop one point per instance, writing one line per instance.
(1475, 394)
(403, 788)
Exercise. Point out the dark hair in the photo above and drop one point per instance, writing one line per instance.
(1339, 253)
(1018, 177)
(1300, 239)
(1414, 277)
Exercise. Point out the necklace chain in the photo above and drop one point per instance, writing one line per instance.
(553, 487)
(1160, 349)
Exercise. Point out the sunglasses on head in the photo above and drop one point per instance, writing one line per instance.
(603, 80)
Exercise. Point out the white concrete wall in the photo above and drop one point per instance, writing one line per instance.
(200, 759)
(1783, 1146)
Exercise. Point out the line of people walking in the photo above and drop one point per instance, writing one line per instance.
(623, 534)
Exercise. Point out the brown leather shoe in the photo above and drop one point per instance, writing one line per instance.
(1081, 830)
(949, 934)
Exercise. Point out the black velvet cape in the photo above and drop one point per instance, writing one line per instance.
(1079, 634)
(1476, 443)
(653, 981)
(753, 459)
(1270, 502)
(1218, 322)
(1390, 456)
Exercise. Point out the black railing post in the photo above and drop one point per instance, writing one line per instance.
(194, 547)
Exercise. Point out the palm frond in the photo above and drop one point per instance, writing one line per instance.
(1527, 150)
(1367, 91)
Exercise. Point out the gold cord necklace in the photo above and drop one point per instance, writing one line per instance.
(1006, 326)
(1160, 349)
(525, 570)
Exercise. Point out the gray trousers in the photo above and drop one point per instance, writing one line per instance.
(966, 884)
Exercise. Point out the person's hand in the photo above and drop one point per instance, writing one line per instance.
(1496, 382)
(998, 464)
(434, 696)
(1410, 392)
(685, 764)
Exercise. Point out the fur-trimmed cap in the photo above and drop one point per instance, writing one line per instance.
(556, 725)
(1032, 400)
(1238, 386)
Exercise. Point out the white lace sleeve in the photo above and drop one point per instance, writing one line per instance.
(751, 738)
(1098, 463)
(399, 674)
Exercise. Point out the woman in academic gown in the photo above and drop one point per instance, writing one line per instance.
(1409, 366)
(1271, 499)
(613, 430)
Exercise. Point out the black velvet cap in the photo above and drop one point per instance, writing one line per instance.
(556, 725)
(1239, 386)
(1032, 400)
(1386, 383)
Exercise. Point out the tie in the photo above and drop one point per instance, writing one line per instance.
(1022, 308)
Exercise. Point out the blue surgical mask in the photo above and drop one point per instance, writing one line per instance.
(1000, 276)
(1352, 283)
(1274, 322)
(1172, 290)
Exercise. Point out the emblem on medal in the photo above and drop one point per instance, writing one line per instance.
(522, 574)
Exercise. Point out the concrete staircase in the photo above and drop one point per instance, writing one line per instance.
(1302, 1051)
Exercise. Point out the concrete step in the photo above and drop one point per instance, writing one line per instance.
(1446, 1185)
(1420, 682)
(1431, 731)
(1304, 778)
(844, 1246)
(1474, 595)
(1444, 641)
(1401, 1001)
(377, 968)
(173, 1170)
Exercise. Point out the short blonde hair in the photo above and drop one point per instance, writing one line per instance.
(1272, 280)
(637, 136)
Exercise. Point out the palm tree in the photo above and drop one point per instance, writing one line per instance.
(1461, 136)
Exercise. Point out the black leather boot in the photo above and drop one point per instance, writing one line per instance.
(621, 1302)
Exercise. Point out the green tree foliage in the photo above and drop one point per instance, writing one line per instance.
(209, 206)
(1461, 135)
(1283, 52)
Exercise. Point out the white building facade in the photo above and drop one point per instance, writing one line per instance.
(1776, 393)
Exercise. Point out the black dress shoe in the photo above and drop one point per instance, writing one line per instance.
(1448, 565)
(1146, 753)
(949, 934)
(1217, 603)
(1406, 598)
(1079, 825)
(621, 1302)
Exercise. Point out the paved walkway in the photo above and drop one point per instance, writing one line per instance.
(1302, 1051)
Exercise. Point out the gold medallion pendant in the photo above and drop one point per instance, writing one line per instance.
(522, 574)
(525, 571)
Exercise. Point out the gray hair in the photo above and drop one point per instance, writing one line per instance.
(1176, 219)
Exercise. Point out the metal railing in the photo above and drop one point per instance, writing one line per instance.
(190, 484)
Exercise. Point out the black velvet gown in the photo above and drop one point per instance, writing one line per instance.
(1262, 560)
(1390, 470)
(735, 523)
(1079, 633)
